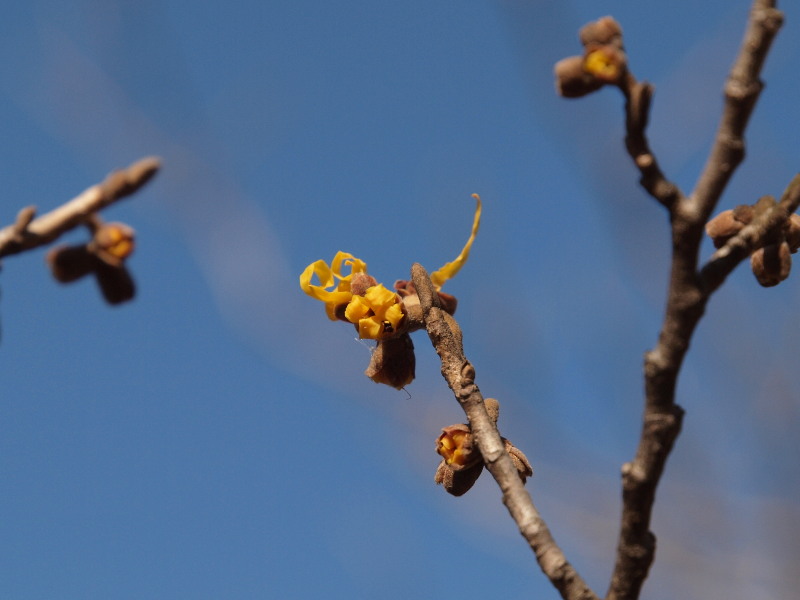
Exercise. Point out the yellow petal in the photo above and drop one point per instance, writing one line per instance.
(356, 310)
(370, 329)
(394, 315)
(450, 269)
(356, 265)
(322, 271)
(379, 298)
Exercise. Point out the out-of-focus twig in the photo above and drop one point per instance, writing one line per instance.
(689, 291)
(445, 335)
(28, 232)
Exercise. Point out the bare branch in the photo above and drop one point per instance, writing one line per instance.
(27, 233)
(742, 90)
(460, 376)
(637, 113)
(688, 295)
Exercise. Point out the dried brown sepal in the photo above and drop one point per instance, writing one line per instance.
(605, 30)
(393, 362)
(457, 483)
(519, 459)
(115, 283)
(771, 264)
(69, 263)
(572, 81)
(456, 446)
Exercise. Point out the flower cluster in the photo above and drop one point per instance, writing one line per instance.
(462, 462)
(103, 256)
(772, 262)
(352, 295)
(603, 61)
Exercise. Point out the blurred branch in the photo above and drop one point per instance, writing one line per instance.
(742, 90)
(689, 291)
(637, 113)
(28, 232)
(445, 336)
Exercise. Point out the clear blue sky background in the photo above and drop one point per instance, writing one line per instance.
(216, 437)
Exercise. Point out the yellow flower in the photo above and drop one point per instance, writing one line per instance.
(376, 310)
(325, 274)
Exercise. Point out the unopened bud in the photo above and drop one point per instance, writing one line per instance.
(793, 232)
(771, 264)
(456, 446)
(603, 31)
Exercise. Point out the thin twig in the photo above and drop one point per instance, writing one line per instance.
(460, 376)
(28, 233)
(742, 90)
(688, 295)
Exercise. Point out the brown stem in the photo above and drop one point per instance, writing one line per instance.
(460, 376)
(28, 233)
(689, 291)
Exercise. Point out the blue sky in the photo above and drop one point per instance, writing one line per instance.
(216, 437)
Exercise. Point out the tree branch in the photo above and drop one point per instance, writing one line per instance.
(445, 335)
(688, 295)
(28, 233)
(742, 90)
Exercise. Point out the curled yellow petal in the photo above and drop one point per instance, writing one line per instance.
(450, 269)
(323, 272)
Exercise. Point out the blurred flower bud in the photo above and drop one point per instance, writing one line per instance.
(393, 362)
(606, 63)
(771, 264)
(113, 243)
(572, 81)
(68, 263)
(603, 31)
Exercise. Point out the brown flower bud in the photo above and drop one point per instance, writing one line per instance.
(603, 31)
(460, 482)
(68, 263)
(393, 362)
(771, 264)
(455, 445)
(728, 223)
(572, 81)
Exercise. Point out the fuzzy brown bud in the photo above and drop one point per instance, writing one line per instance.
(603, 31)
(771, 264)
(572, 81)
